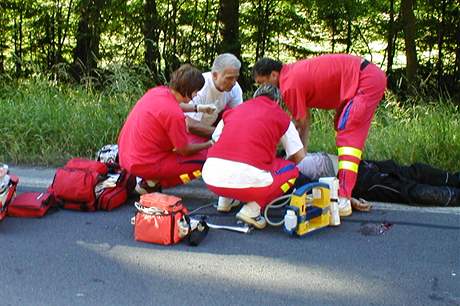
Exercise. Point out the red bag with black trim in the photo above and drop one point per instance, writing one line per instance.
(113, 197)
(7, 195)
(74, 184)
(157, 218)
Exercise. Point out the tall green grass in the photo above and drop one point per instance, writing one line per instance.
(43, 123)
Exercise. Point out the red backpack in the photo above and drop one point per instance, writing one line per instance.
(74, 184)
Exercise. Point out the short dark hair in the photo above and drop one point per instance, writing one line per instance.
(186, 79)
(265, 66)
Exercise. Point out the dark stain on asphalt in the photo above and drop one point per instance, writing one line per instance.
(98, 280)
(375, 229)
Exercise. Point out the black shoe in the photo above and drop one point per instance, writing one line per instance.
(455, 201)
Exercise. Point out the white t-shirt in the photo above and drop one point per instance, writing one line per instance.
(230, 174)
(209, 94)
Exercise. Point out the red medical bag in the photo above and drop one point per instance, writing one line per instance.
(157, 218)
(30, 205)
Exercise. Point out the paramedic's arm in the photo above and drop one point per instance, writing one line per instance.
(292, 144)
(193, 148)
(197, 128)
(303, 127)
(197, 108)
(187, 107)
(218, 131)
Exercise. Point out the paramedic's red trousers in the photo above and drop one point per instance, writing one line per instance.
(284, 174)
(353, 125)
(175, 169)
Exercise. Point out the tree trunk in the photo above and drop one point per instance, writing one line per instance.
(349, 33)
(408, 25)
(333, 29)
(229, 17)
(259, 26)
(63, 36)
(86, 52)
(3, 37)
(264, 11)
(192, 33)
(390, 39)
(439, 65)
(151, 36)
(18, 44)
(457, 55)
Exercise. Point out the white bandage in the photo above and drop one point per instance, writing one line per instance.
(206, 108)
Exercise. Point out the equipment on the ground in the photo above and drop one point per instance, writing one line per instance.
(158, 217)
(311, 207)
(245, 229)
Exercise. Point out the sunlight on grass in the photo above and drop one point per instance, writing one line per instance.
(46, 124)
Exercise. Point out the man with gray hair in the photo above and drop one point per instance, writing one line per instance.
(220, 91)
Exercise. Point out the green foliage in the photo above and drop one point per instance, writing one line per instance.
(47, 124)
(40, 35)
(49, 118)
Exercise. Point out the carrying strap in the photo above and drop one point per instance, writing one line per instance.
(150, 210)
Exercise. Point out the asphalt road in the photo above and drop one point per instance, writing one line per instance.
(76, 258)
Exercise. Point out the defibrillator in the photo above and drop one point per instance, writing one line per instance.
(311, 207)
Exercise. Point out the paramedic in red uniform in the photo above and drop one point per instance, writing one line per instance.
(154, 144)
(242, 164)
(349, 84)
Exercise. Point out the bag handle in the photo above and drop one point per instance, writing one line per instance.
(150, 210)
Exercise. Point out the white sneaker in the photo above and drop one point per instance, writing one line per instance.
(344, 207)
(250, 214)
(226, 204)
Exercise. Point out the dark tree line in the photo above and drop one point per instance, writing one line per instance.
(416, 41)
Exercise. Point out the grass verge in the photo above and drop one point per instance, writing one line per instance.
(46, 124)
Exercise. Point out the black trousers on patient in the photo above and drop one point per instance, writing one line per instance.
(417, 184)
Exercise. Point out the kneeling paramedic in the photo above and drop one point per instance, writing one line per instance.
(242, 164)
(154, 144)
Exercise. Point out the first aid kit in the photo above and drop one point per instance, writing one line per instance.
(158, 218)
(31, 205)
(74, 184)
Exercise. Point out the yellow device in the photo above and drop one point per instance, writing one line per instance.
(309, 212)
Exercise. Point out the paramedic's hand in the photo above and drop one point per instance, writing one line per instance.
(206, 108)
(360, 205)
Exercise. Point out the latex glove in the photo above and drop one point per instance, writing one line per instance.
(360, 205)
(206, 108)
